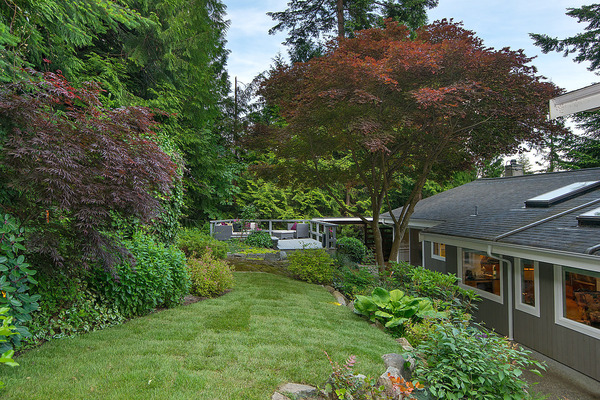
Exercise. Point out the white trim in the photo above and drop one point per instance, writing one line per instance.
(435, 256)
(482, 293)
(569, 259)
(519, 305)
(423, 254)
(584, 99)
(559, 317)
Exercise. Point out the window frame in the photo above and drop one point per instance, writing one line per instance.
(437, 256)
(487, 295)
(559, 303)
(519, 305)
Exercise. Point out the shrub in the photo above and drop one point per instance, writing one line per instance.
(159, 278)
(463, 362)
(15, 278)
(311, 265)
(419, 281)
(393, 309)
(354, 248)
(210, 276)
(7, 329)
(259, 239)
(193, 242)
(69, 306)
(354, 281)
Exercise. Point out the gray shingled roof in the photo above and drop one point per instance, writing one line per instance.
(500, 204)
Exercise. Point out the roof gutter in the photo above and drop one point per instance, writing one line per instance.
(544, 220)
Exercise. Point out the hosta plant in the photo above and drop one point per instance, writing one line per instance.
(393, 309)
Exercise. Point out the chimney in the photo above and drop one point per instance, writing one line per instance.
(513, 169)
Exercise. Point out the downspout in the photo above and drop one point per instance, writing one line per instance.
(510, 290)
(593, 249)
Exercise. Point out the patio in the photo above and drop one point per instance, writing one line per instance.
(289, 234)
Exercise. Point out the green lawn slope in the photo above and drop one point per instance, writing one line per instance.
(269, 330)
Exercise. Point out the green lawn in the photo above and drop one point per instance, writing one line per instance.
(269, 330)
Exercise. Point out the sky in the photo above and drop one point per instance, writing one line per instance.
(500, 23)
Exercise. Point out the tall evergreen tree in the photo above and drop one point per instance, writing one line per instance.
(582, 152)
(309, 22)
(165, 54)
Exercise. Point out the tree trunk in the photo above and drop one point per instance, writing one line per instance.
(378, 245)
(340, 18)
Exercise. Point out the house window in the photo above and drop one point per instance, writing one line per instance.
(582, 297)
(527, 286)
(482, 273)
(438, 251)
(577, 294)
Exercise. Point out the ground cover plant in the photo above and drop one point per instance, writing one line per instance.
(268, 331)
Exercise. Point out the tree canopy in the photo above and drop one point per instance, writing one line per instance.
(383, 105)
(310, 23)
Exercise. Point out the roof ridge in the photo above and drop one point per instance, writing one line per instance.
(538, 175)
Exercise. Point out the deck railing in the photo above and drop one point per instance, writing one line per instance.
(323, 232)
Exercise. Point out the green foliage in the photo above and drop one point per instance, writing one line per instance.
(460, 361)
(70, 306)
(210, 276)
(194, 243)
(158, 278)
(353, 247)
(259, 239)
(6, 329)
(354, 281)
(16, 276)
(264, 199)
(419, 281)
(393, 309)
(311, 265)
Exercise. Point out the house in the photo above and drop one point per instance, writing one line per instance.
(530, 246)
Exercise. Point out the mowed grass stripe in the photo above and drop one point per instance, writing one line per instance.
(269, 330)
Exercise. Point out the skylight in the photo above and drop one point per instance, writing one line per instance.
(590, 217)
(561, 194)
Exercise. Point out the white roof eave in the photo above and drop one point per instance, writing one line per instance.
(584, 99)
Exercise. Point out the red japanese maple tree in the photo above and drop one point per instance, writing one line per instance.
(388, 103)
(70, 166)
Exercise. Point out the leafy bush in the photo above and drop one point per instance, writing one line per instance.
(15, 278)
(210, 276)
(352, 247)
(259, 239)
(193, 242)
(393, 309)
(311, 265)
(7, 329)
(69, 306)
(159, 278)
(354, 281)
(463, 362)
(419, 281)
